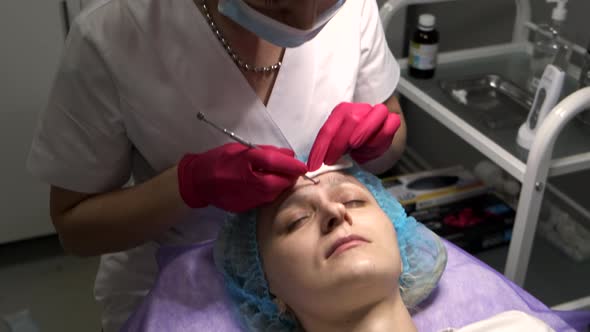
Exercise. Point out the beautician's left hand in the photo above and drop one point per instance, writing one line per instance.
(363, 130)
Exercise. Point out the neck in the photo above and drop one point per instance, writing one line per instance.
(241, 39)
(390, 314)
(227, 25)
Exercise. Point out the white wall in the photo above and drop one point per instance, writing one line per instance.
(395, 31)
(469, 23)
(472, 23)
(31, 35)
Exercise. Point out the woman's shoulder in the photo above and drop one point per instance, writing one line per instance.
(104, 20)
(98, 13)
(124, 31)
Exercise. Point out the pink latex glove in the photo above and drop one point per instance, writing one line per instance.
(237, 178)
(361, 129)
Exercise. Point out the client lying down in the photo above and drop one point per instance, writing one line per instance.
(337, 256)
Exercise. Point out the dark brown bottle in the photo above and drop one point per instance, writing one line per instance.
(423, 55)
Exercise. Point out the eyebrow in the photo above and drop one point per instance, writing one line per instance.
(333, 180)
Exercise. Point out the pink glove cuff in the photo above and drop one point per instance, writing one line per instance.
(185, 183)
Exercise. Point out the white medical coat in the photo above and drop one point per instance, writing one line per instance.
(135, 73)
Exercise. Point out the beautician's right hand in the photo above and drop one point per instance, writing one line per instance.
(237, 178)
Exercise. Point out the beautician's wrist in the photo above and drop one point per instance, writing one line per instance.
(185, 188)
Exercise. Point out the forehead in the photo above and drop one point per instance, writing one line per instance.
(326, 181)
(305, 187)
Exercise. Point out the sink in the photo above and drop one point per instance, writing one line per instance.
(498, 102)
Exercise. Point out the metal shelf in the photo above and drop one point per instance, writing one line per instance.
(563, 148)
(571, 152)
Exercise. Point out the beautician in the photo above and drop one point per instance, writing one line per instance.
(130, 166)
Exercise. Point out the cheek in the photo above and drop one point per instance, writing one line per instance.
(392, 247)
(390, 237)
(287, 262)
(382, 231)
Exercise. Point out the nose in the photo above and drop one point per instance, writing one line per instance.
(335, 214)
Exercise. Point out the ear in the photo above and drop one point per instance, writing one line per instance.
(268, 283)
(281, 305)
(284, 309)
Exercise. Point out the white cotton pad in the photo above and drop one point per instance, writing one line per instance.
(343, 163)
(460, 95)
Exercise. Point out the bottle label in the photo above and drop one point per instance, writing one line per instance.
(423, 56)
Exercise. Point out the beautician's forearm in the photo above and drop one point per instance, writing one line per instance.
(398, 145)
(120, 219)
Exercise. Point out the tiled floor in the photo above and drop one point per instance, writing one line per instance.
(57, 289)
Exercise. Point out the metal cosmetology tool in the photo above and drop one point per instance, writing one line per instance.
(239, 139)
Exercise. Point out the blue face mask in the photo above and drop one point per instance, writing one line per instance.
(270, 29)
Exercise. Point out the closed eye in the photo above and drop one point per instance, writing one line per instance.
(293, 225)
(355, 203)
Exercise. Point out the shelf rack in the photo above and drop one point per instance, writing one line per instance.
(533, 170)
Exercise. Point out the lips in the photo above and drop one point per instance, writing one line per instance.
(345, 243)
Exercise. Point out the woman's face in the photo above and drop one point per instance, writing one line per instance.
(328, 247)
(300, 14)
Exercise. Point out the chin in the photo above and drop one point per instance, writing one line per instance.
(362, 282)
(360, 271)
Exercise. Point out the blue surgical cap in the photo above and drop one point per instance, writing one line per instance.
(237, 257)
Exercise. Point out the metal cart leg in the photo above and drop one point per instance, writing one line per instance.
(525, 224)
(534, 183)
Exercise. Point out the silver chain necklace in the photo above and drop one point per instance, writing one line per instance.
(230, 51)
